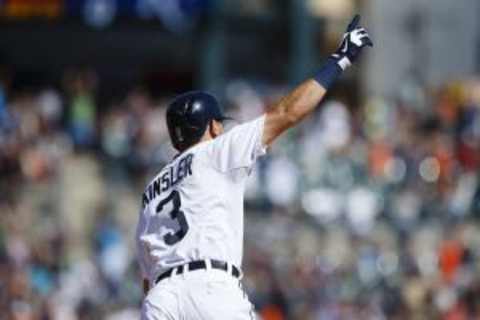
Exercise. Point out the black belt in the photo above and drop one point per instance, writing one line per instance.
(197, 265)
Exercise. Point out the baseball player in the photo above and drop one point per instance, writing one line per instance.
(190, 231)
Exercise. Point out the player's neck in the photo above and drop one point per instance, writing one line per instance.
(206, 137)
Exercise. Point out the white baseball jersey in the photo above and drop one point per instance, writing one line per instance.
(193, 208)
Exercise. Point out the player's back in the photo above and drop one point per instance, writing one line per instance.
(193, 208)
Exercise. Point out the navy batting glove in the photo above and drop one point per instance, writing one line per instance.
(354, 40)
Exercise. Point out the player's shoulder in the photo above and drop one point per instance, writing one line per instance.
(238, 132)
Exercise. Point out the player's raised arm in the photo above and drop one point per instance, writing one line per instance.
(299, 103)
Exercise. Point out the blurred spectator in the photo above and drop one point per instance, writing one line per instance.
(82, 107)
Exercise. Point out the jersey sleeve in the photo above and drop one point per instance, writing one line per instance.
(240, 147)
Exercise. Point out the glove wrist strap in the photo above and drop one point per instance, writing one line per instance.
(329, 72)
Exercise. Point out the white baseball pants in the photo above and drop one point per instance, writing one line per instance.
(207, 294)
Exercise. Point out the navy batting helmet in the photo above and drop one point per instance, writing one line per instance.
(188, 116)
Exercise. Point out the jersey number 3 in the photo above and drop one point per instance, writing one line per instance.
(176, 214)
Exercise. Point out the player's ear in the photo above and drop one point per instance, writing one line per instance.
(211, 129)
(215, 128)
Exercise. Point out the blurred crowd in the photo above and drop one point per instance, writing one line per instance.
(365, 211)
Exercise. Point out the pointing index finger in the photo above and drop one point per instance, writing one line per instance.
(354, 23)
